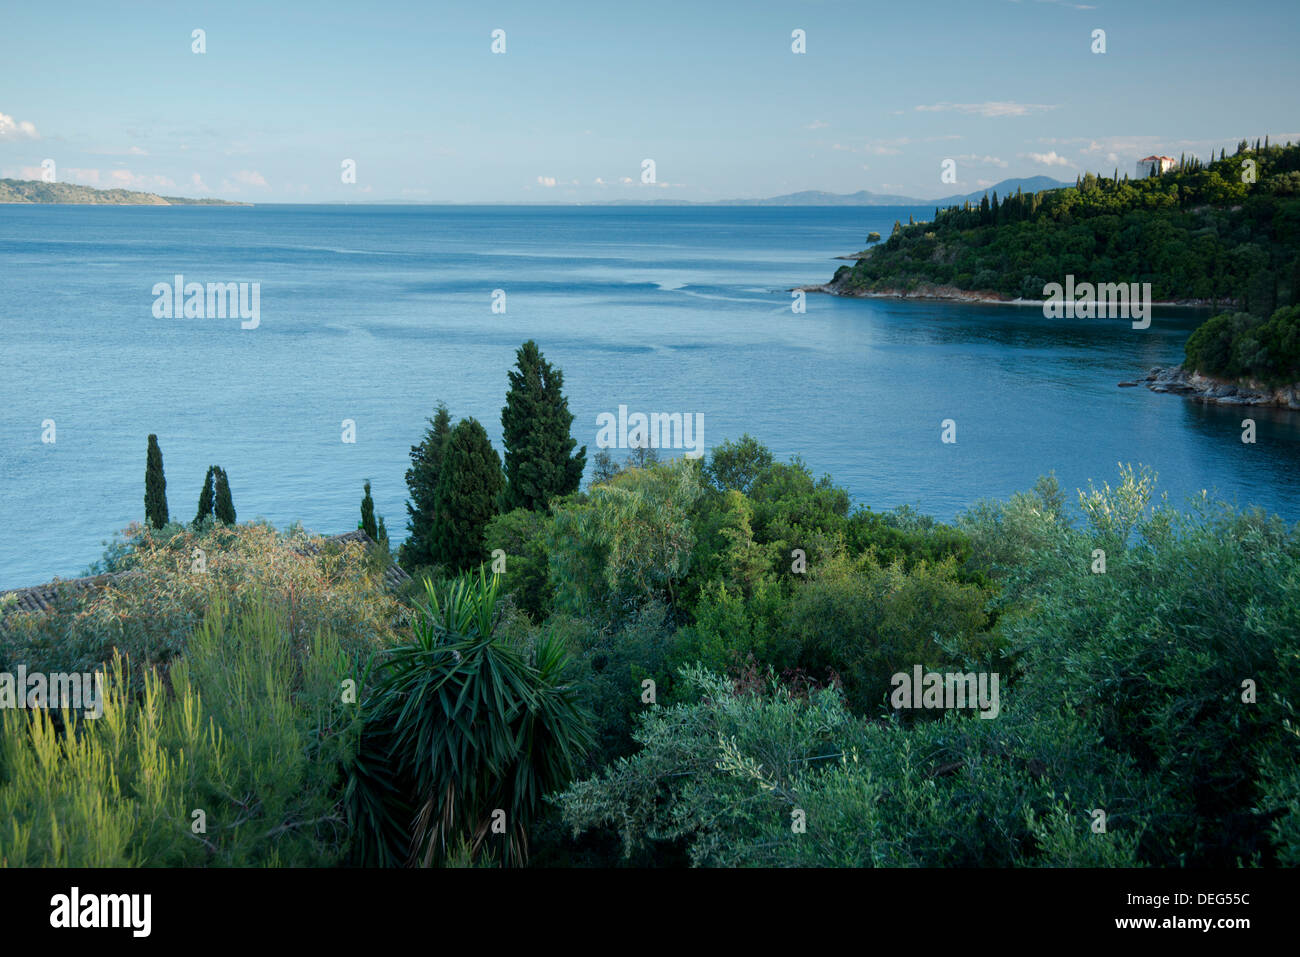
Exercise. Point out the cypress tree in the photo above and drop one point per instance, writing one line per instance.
(368, 515)
(535, 428)
(382, 533)
(422, 483)
(469, 486)
(224, 510)
(205, 497)
(155, 486)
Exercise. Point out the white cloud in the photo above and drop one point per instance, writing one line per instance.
(817, 125)
(1049, 159)
(128, 180)
(250, 177)
(196, 181)
(992, 108)
(11, 129)
(547, 181)
(976, 160)
(129, 151)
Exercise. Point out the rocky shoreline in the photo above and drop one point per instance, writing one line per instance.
(1213, 391)
(924, 292)
(932, 293)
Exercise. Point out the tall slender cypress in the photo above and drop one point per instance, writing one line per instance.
(422, 483)
(155, 486)
(469, 487)
(206, 497)
(368, 515)
(224, 510)
(536, 430)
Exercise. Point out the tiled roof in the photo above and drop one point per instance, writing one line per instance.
(43, 597)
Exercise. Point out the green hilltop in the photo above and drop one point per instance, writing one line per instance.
(1227, 231)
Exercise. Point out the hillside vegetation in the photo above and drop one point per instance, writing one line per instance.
(37, 191)
(1223, 231)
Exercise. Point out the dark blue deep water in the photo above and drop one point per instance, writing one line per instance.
(376, 313)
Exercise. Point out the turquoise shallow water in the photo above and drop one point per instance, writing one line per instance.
(375, 313)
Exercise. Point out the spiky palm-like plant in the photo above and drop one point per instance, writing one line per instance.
(465, 733)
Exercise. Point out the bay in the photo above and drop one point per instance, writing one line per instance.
(374, 313)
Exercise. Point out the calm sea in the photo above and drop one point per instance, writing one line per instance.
(375, 313)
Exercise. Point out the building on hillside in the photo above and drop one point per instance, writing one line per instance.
(1157, 165)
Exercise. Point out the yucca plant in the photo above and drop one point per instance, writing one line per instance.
(465, 732)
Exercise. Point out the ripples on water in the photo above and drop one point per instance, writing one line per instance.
(376, 313)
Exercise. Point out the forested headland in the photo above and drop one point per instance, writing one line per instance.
(1223, 233)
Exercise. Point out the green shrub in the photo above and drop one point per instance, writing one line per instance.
(150, 613)
(521, 534)
(465, 732)
(252, 734)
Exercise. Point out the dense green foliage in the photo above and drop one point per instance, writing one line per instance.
(422, 482)
(155, 486)
(539, 459)
(368, 514)
(1157, 691)
(1201, 231)
(469, 487)
(230, 760)
(690, 661)
(465, 732)
(1240, 345)
(223, 508)
(177, 572)
(207, 497)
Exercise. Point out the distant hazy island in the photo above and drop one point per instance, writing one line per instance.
(37, 191)
(1224, 234)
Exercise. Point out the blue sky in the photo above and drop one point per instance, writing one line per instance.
(711, 91)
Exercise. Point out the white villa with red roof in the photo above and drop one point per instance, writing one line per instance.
(1148, 164)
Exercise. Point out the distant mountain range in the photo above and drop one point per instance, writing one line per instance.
(813, 197)
(38, 191)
